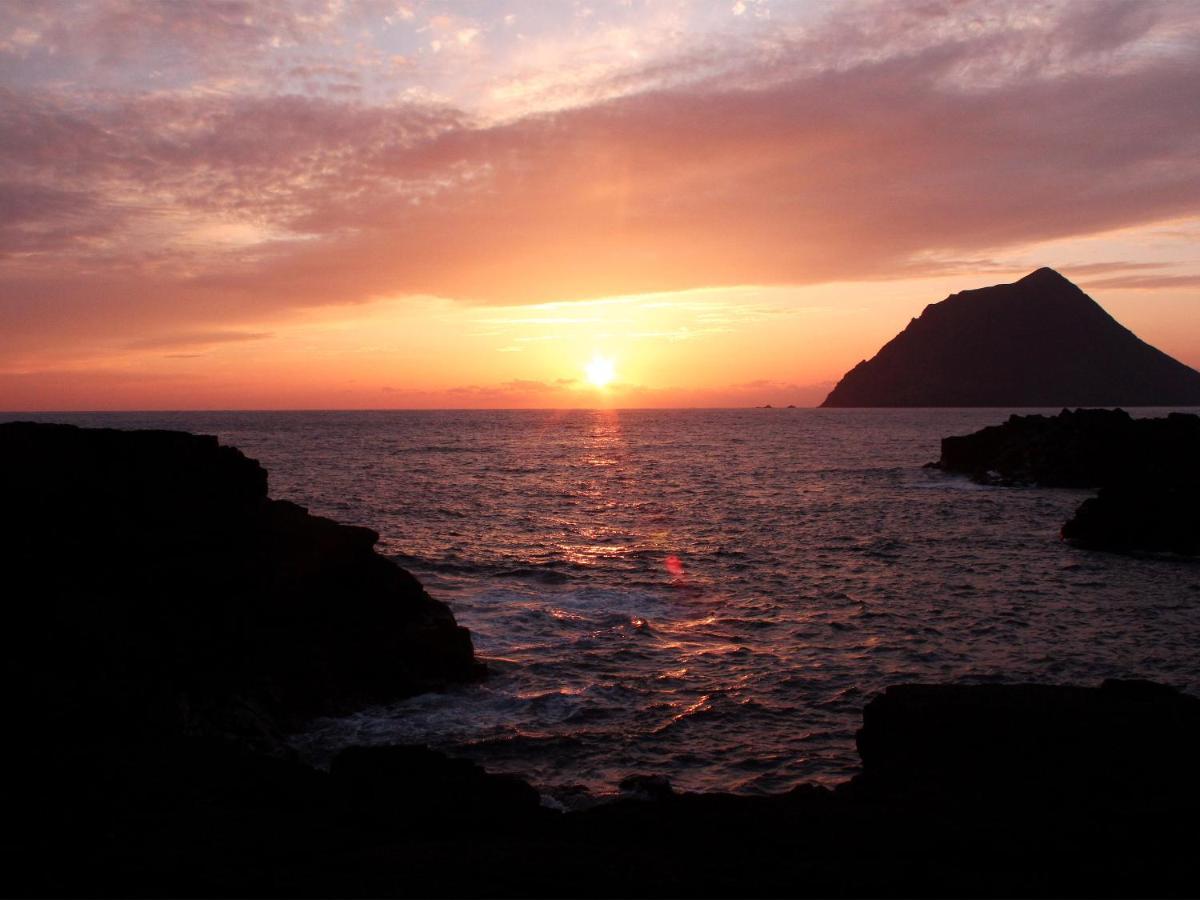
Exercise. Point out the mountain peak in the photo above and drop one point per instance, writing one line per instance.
(1039, 341)
(1045, 275)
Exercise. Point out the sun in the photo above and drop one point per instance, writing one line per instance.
(600, 371)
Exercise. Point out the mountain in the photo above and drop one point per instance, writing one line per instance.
(1040, 341)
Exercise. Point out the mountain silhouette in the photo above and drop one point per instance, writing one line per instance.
(1040, 341)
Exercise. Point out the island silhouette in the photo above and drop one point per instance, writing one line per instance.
(1040, 341)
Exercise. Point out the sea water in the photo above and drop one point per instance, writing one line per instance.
(709, 595)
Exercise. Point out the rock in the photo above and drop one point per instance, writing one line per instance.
(649, 788)
(1125, 743)
(165, 624)
(967, 790)
(415, 788)
(1148, 469)
(156, 592)
(1080, 448)
(1040, 341)
(1147, 518)
(161, 627)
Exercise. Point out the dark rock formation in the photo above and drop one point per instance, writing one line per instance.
(1128, 742)
(164, 623)
(1139, 518)
(1021, 790)
(414, 788)
(1040, 341)
(1148, 471)
(1081, 448)
(154, 592)
(646, 787)
(163, 617)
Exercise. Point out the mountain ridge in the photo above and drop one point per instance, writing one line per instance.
(1038, 341)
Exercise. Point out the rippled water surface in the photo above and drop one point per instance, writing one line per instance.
(710, 595)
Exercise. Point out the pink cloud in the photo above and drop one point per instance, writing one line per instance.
(196, 339)
(208, 34)
(858, 162)
(1145, 282)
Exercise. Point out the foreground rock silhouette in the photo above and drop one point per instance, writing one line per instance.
(985, 790)
(1148, 471)
(165, 620)
(1040, 341)
(158, 553)
(155, 593)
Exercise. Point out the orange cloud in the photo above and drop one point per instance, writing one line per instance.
(856, 152)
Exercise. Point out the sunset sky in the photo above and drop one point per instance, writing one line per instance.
(326, 204)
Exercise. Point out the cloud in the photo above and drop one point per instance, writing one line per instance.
(196, 339)
(1098, 268)
(870, 147)
(1144, 282)
(517, 392)
(209, 35)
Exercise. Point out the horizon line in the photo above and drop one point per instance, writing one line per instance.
(373, 409)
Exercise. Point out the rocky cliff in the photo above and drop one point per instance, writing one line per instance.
(1040, 341)
(155, 591)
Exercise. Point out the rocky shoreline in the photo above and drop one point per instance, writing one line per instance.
(168, 622)
(983, 790)
(157, 558)
(1147, 470)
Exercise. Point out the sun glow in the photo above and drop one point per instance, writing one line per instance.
(600, 371)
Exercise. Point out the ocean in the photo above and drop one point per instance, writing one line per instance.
(708, 595)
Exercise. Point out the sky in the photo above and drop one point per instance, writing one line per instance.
(218, 204)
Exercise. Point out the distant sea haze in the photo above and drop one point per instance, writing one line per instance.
(711, 595)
